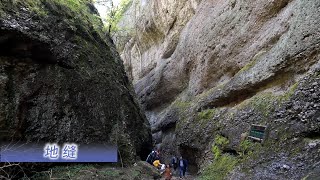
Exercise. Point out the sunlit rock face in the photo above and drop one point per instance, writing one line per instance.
(61, 80)
(203, 68)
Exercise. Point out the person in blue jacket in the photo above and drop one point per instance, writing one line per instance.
(151, 157)
(183, 164)
(174, 162)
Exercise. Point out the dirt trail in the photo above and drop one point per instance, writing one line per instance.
(187, 177)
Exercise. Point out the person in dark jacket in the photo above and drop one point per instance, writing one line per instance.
(174, 162)
(151, 157)
(183, 164)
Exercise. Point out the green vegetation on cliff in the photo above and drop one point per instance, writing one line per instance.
(219, 168)
(206, 114)
(75, 11)
(114, 13)
(222, 163)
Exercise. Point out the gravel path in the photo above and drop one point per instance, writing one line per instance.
(187, 177)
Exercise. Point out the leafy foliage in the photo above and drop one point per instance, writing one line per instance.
(115, 13)
(220, 143)
(216, 151)
(245, 147)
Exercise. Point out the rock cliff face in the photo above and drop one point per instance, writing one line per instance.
(61, 79)
(211, 68)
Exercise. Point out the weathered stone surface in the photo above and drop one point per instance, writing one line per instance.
(62, 81)
(267, 36)
(224, 66)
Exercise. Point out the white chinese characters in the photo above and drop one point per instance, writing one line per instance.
(68, 152)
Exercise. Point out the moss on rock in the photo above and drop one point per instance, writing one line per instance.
(219, 168)
(206, 114)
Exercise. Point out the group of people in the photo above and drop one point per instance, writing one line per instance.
(165, 169)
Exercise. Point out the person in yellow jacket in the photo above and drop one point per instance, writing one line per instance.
(157, 163)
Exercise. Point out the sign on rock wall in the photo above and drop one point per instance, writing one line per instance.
(257, 132)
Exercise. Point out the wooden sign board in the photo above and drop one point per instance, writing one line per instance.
(257, 132)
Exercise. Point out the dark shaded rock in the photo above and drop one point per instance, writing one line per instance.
(62, 81)
(148, 169)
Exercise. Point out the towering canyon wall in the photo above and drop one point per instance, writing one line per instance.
(61, 79)
(212, 68)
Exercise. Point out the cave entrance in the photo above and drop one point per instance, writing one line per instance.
(191, 155)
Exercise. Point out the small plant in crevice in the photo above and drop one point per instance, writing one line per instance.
(220, 144)
(246, 147)
(221, 141)
(206, 114)
(216, 151)
(249, 150)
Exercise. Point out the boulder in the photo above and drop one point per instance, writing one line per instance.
(61, 79)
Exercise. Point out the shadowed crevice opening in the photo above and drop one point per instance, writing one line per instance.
(20, 46)
(190, 154)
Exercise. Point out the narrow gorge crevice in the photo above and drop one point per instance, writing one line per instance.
(221, 68)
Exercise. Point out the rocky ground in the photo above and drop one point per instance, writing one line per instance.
(187, 177)
(139, 171)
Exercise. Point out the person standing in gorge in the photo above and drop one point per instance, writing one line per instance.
(174, 162)
(183, 164)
